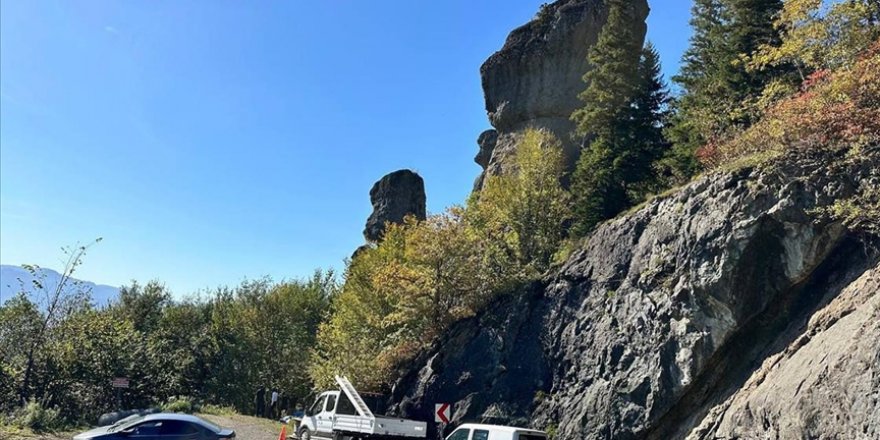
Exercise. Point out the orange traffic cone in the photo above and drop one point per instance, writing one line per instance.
(283, 431)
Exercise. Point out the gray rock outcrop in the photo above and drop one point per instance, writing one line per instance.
(534, 80)
(395, 196)
(731, 309)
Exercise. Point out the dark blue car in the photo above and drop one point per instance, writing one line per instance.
(163, 426)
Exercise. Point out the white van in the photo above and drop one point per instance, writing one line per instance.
(473, 431)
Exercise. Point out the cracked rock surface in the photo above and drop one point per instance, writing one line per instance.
(729, 309)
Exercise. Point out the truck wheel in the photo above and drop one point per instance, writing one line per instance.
(304, 434)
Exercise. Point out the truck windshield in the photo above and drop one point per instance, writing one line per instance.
(318, 406)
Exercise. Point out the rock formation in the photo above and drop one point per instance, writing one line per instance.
(534, 80)
(395, 196)
(732, 308)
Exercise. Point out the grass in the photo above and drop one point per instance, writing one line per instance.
(13, 432)
(217, 410)
(750, 160)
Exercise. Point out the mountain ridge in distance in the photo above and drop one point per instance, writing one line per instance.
(15, 278)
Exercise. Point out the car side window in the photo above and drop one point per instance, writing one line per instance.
(331, 403)
(480, 434)
(524, 436)
(177, 427)
(460, 434)
(146, 429)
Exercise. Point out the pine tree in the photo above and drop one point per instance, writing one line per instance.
(617, 168)
(611, 82)
(720, 90)
(647, 143)
(612, 78)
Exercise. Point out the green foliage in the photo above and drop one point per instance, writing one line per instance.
(721, 93)
(37, 417)
(612, 79)
(860, 213)
(617, 168)
(526, 209)
(178, 405)
(836, 110)
(816, 35)
(219, 348)
(142, 305)
(216, 410)
(401, 294)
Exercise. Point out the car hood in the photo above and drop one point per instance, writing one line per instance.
(94, 433)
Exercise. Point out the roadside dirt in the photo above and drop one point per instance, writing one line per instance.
(247, 427)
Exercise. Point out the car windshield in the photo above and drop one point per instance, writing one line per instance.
(125, 423)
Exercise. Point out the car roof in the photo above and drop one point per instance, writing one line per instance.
(173, 416)
(500, 428)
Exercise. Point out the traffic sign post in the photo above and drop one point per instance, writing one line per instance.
(442, 413)
(118, 384)
(442, 416)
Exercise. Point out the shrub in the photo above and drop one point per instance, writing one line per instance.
(37, 417)
(178, 404)
(216, 410)
(860, 213)
(834, 110)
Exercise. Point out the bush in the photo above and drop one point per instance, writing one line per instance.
(216, 410)
(178, 404)
(838, 109)
(36, 417)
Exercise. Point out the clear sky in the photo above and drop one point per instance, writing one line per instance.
(212, 141)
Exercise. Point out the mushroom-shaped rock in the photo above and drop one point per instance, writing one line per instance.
(395, 196)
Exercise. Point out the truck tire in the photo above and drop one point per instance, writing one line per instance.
(304, 434)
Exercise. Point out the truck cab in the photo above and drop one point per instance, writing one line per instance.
(318, 418)
(474, 431)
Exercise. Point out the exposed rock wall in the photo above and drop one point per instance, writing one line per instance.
(726, 310)
(534, 80)
(395, 196)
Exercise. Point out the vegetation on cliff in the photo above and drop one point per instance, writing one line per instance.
(402, 293)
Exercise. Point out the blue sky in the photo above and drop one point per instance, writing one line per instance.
(212, 141)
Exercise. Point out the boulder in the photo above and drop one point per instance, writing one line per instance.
(395, 196)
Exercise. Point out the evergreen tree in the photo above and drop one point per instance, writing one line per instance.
(720, 90)
(611, 82)
(648, 112)
(612, 78)
(621, 122)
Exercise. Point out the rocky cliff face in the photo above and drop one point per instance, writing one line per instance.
(730, 309)
(395, 196)
(534, 80)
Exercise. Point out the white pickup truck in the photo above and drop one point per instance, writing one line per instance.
(343, 415)
(473, 431)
